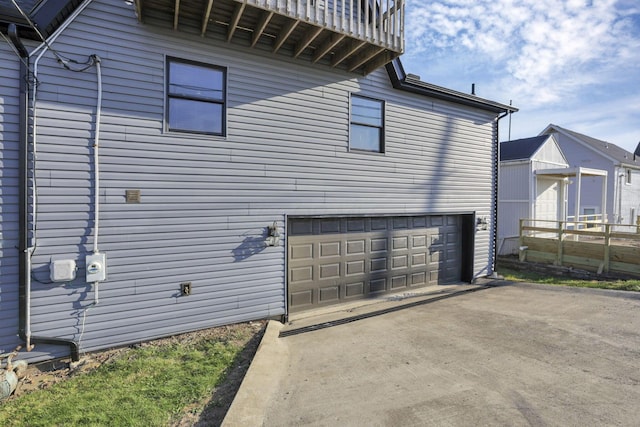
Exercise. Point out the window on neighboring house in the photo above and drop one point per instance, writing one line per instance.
(196, 97)
(367, 124)
(589, 216)
(628, 180)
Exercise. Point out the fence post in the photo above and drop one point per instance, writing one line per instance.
(607, 247)
(521, 253)
(559, 255)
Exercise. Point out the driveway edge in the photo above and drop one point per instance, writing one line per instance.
(260, 381)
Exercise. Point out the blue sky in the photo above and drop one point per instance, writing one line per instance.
(573, 63)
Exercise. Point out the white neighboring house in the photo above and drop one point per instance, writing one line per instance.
(534, 184)
(623, 189)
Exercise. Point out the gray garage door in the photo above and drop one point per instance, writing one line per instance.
(333, 260)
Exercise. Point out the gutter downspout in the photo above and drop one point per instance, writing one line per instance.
(496, 174)
(24, 274)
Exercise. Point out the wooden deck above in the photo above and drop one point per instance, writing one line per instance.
(354, 35)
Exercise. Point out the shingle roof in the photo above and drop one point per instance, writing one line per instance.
(607, 148)
(521, 149)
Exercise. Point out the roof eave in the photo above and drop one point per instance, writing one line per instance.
(400, 80)
(46, 16)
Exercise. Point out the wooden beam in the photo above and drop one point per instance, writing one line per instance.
(331, 42)
(363, 57)
(306, 40)
(352, 47)
(262, 24)
(205, 18)
(285, 33)
(138, 6)
(176, 13)
(379, 62)
(233, 25)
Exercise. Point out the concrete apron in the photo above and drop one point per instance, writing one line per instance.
(267, 367)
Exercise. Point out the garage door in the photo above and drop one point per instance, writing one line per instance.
(333, 260)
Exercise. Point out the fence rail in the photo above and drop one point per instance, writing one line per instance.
(599, 247)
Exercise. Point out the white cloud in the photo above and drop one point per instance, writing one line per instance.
(543, 50)
(575, 63)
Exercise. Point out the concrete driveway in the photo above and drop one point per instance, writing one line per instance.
(512, 355)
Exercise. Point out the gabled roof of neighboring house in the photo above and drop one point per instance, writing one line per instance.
(607, 149)
(521, 149)
(47, 15)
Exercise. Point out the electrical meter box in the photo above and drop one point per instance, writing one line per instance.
(63, 270)
(96, 267)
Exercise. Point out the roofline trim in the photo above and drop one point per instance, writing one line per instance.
(602, 153)
(400, 80)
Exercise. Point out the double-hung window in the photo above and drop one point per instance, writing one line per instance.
(196, 97)
(366, 131)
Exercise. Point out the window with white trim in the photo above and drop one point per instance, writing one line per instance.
(628, 179)
(196, 97)
(366, 131)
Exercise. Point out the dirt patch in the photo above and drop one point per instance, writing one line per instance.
(209, 412)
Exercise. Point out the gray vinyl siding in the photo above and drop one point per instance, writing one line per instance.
(206, 201)
(630, 194)
(9, 69)
(514, 203)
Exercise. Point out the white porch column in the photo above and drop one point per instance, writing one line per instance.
(576, 209)
(604, 198)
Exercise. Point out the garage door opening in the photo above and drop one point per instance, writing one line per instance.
(334, 260)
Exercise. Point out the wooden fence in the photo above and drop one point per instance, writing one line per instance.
(589, 246)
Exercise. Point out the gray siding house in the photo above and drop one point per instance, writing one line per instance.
(623, 184)
(172, 166)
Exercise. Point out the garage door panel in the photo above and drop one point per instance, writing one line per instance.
(301, 299)
(354, 289)
(301, 251)
(436, 221)
(399, 261)
(356, 247)
(330, 249)
(329, 271)
(400, 242)
(378, 264)
(378, 244)
(354, 267)
(301, 274)
(377, 285)
(418, 278)
(419, 259)
(329, 294)
(335, 259)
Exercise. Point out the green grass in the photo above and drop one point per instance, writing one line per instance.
(147, 386)
(521, 276)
